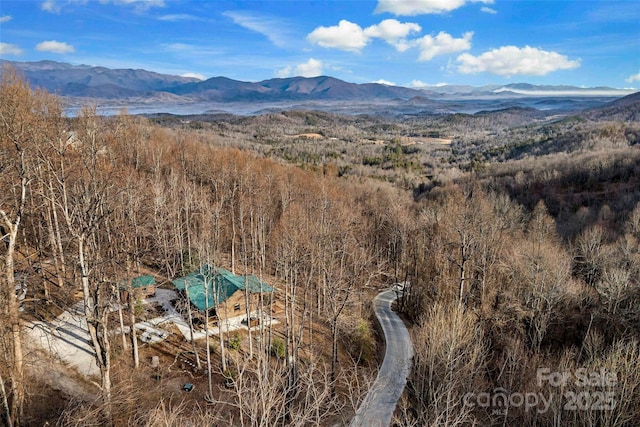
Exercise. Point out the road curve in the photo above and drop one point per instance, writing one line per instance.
(378, 406)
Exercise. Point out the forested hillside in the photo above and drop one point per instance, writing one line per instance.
(518, 236)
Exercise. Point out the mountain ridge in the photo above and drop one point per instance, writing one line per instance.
(95, 81)
(82, 80)
(148, 92)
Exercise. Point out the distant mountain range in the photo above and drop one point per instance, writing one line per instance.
(141, 86)
(95, 82)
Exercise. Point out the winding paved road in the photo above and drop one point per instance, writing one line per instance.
(378, 406)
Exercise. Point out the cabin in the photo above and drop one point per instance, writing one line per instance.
(222, 293)
(142, 287)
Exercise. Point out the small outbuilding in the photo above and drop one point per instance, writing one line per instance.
(142, 287)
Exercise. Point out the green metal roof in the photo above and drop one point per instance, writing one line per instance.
(142, 281)
(137, 282)
(220, 285)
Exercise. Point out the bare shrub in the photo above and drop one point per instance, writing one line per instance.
(450, 359)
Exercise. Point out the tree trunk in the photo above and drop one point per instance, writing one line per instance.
(121, 319)
(247, 300)
(5, 403)
(206, 337)
(461, 285)
(334, 355)
(193, 342)
(134, 333)
(105, 371)
(98, 333)
(17, 368)
(223, 356)
(56, 227)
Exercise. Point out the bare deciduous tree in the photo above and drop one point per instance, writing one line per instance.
(26, 124)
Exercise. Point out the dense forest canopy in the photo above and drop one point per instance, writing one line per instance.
(518, 235)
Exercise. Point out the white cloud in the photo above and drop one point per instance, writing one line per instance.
(351, 37)
(54, 6)
(179, 47)
(55, 47)
(511, 60)
(190, 50)
(344, 36)
(487, 9)
(9, 49)
(385, 82)
(421, 84)
(418, 83)
(421, 7)
(140, 4)
(392, 29)
(441, 44)
(5, 18)
(194, 75)
(393, 32)
(269, 27)
(311, 68)
(50, 6)
(179, 17)
(633, 78)
(284, 72)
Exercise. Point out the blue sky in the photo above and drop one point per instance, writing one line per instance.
(408, 43)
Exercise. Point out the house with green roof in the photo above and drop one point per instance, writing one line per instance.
(220, 291)
(141, 287)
